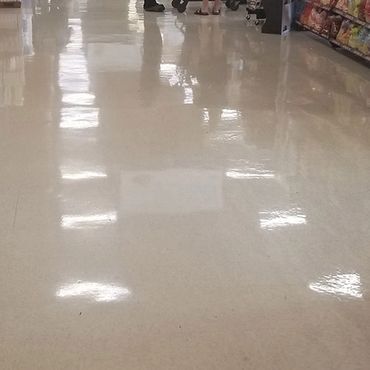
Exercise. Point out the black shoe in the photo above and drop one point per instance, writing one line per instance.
(158, 8)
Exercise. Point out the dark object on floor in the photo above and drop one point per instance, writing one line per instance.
(180, 5)
(153, 6)
(234, 4)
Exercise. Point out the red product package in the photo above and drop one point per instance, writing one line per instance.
(305, 15)
(367, 11)
(313, 18)
(361, 11)
(319, 19)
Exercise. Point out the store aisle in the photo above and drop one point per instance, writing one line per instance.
(179, 192)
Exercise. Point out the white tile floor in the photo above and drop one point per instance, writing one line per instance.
(179, 193)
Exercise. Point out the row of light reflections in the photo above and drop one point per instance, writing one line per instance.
(341, 285)
(269, 220)
(79, 112)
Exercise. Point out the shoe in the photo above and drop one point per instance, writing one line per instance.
(157, 8)
(200, 12)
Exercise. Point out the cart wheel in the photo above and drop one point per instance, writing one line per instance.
(228, 4)
(175, 3)
(234, 5)
(182, 7)
(257, 22)
(248, 17)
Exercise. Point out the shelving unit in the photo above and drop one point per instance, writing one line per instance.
(308, 28)
(332, 10)
(348, 48)
(10, 3)
(319, 5)
(351, 18)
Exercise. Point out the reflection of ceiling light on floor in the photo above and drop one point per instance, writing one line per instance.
(189, 95)
(82, 175)
(194, 81)
(252, 174)
(79, 118)
(205, 115)
(230, 114)
(78, 98)
(270, 220)
(76, 77)
(96, 291)
(73, 75)
(241, 169)
(136, 23)
(88, 221)
(341, 285)
(231, 136)
(169, 72)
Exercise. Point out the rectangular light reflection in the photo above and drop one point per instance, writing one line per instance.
(270, 220)
(88, 221)
(79, 118)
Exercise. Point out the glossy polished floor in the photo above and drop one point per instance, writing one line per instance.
(179, 192)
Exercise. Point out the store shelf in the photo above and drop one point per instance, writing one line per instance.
(308, 28)
(318, 5)
(335, 42)
(348, 48)
(351, 18)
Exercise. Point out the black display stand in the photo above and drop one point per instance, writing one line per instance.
(278, 16)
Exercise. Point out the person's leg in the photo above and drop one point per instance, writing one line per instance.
(205, 5)
(153, 6)
(204, 9)
(216, 6)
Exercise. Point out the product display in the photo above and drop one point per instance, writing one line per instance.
(345, 23)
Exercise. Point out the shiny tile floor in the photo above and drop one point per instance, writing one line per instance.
(179, 193)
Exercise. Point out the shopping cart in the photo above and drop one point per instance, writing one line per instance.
(255, 12)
